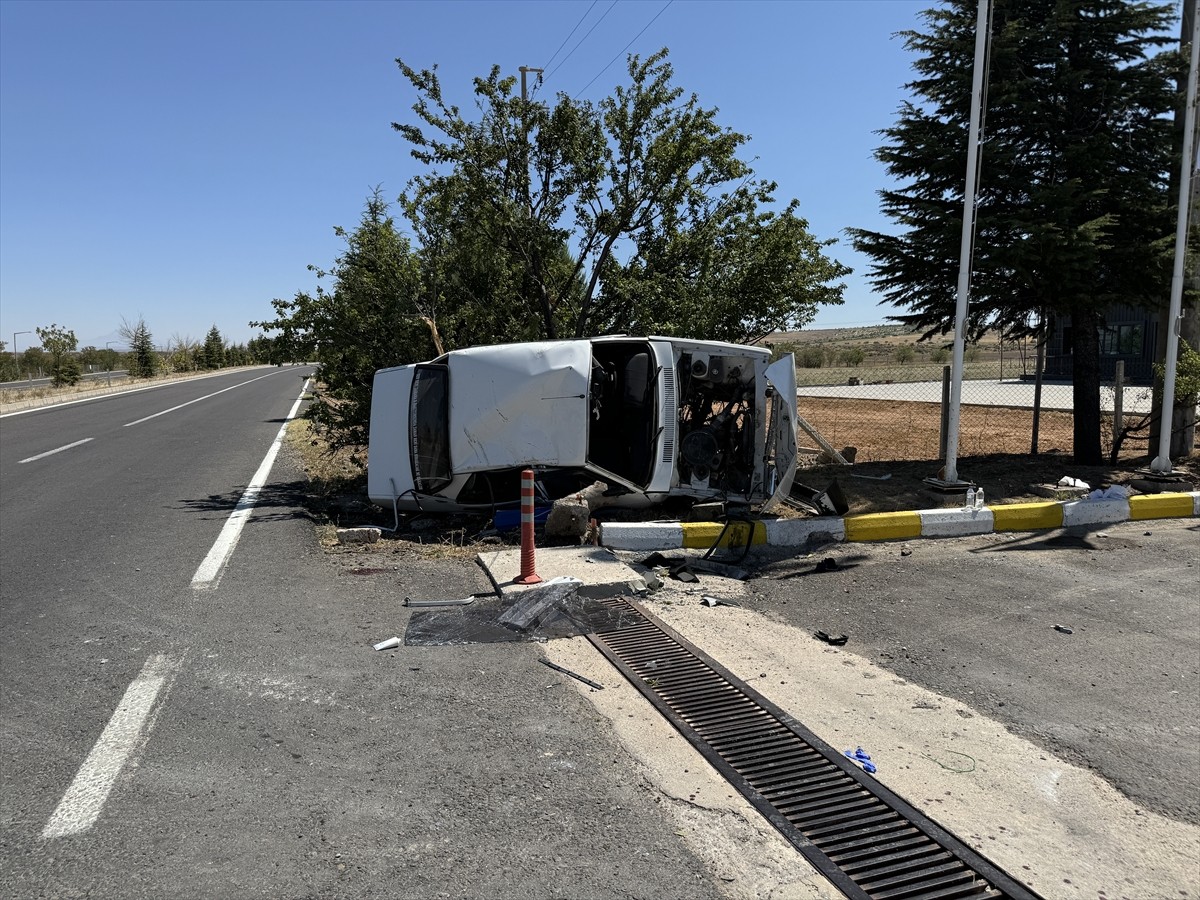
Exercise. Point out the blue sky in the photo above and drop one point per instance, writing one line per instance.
(185, 162)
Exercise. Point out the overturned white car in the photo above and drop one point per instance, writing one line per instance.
(654, 418)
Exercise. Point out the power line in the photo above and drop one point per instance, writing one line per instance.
(623, 49)
(546, 65)
(584, 38)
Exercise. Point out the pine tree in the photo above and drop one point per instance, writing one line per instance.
(213, 354)
(1072, 213)
(143, 361)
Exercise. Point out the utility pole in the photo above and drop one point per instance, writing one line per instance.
(523, 70)
(1182, 321)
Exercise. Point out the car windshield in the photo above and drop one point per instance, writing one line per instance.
(429, 420)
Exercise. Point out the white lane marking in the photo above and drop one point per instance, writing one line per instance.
(198, 399)
(209, 573)
(125, 732)
(52, 452)
(120, 392)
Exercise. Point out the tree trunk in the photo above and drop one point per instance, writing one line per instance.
(1085, 377)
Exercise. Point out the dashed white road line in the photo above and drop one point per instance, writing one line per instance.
(198, 399)
(209, 573)
(52, 452)
(126, 732)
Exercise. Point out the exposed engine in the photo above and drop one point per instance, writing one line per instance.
(716, 422)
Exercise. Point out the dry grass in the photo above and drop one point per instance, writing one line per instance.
(338, 496)
(895, 430)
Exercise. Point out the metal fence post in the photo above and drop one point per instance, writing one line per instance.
(1037, 387)
(945, 436)
(1118, 405)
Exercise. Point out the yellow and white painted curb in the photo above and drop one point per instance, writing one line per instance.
(899, 525)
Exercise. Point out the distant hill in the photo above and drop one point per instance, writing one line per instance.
(838, 335)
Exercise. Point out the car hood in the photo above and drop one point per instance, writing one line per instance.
(519, 405)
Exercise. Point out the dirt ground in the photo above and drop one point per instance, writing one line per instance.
(897, 443)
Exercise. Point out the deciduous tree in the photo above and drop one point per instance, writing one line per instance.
(568, 219)
(60, 343)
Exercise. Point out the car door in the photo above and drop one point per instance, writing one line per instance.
(780, 455)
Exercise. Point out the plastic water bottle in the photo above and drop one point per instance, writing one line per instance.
(970, 504)
(979, 498)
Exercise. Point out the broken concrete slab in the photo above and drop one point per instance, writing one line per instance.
(358, 535)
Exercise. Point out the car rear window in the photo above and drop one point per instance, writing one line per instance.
(429, 420)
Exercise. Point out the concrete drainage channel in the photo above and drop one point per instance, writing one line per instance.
(866, 840)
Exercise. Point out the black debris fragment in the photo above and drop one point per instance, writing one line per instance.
(830, 639)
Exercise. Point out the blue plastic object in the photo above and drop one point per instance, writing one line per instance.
(863, 758)
(505, 519)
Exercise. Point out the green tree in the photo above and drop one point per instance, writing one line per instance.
(33, 362)
(853, 356)
(212, 354)
(182, 353)
(143, 360)
(366, 320)
(60, 343)
(904, 354)
(1072, 213)
(9, 371)
(569, 219)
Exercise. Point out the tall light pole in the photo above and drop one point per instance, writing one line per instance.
(15, 333)
(1161, 464)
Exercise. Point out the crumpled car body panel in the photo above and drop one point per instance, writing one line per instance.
(654, 418)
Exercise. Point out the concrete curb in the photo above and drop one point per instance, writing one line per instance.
(899, 525)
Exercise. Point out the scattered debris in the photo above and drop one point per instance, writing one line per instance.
(583, 609)
(906, 551)
(925, 704)
(717, 601)
(1068, 481)
(569, 515)
(1063, 629)
(861, 757)
(390, 644)
(828, 564)
(533, 603)
(829, 639)
(706, 512)
(873, 477)
(358, 535)
(830, 502)
(684, 569)
(575, 675)
(725, 570)
(465, 601)
(1112, 492)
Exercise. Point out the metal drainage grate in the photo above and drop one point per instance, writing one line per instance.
(866, 840)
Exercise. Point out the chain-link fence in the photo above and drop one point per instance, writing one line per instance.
(896, 412)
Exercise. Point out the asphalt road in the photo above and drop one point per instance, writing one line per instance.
(244, 740)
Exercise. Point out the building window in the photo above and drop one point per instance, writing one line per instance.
(1121, 340)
